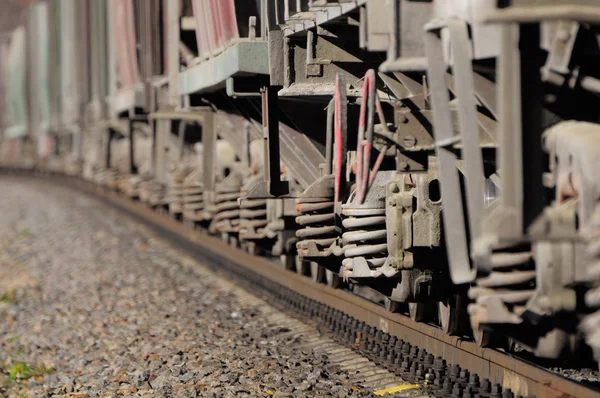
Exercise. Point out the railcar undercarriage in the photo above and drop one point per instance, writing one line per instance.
(443, 156)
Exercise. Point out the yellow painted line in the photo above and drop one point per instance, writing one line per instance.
(398, 388)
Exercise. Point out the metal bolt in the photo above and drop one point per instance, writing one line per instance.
(410, 141)
(456, 391)
(391, 356)
(563, 35)
(421, 356)
(406, 349)
(485, 386)
(414, 352)
(463, 377)
(402, 119)
(474, 382)
(405, 367)
(385, 338)
(404, 165)
(467, 393)
(371, 334)
(378, 336)
(428, 360)
(438, 385)
(439, 364)
(383, 353)
(496, 391)
(429, 377)
(447, 387)
(394, 188)
(454, 372)
(508, 393)
(398, 345)
(375, 348)
(392, 341)
(412, 372)
(420, 374)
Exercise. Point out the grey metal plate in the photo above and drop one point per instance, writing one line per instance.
(128, 98)
(318, 15)
(243, 57)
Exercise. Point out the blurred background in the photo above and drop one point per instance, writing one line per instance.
(12, 14)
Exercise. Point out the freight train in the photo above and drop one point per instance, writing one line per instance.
(445, 154)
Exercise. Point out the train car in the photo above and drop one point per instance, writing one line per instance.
(441, 154)
(40, 117)
(15, 132)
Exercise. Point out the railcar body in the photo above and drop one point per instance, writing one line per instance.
(444, 154)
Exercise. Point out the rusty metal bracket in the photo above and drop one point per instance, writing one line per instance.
(525, 11)
(209, 141)
(314, 66)
(454, 218)
(272, 186)
(271, 135)
(231, 91)
(131, 164)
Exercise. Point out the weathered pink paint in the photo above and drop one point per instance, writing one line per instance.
(215, 24)
(123, 22)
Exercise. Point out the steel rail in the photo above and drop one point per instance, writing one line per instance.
(521, 377)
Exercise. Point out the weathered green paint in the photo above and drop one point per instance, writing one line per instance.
(16, 112)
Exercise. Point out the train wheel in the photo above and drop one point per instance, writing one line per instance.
(317, 272)
(333, 280)
(449, 313)
(302, 267)
(225, 237)
(482, 337)
(288, 261)
(418, 311)
(253, 249)
(393, 306)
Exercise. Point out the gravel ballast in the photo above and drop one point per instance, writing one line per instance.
(94, 304)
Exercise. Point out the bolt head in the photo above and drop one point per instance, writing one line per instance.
(563, 35)
(410, 141)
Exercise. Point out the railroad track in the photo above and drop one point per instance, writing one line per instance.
(358, 323)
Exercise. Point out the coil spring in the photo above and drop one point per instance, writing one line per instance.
(317, 222)
(227, 218)
(253, 218)
(365, 237)
(511, 281)
(591, 323)
(511, 277)
(592, 297)
(192, 198)
(193, 201)
(122, 180)
(111, 178)
(133, 186)
(157, 193)
(174, 196)
(145, 190)
(99, 175)
(253, 212)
